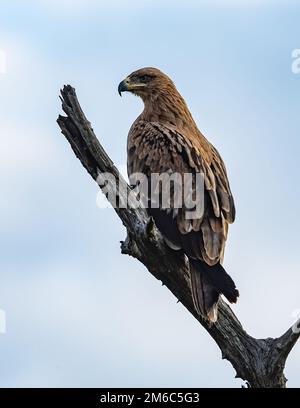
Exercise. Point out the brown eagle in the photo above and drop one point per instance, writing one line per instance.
(164, 139)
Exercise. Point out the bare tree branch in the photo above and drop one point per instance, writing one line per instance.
(259, 362)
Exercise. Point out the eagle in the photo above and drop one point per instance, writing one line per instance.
(165, 139)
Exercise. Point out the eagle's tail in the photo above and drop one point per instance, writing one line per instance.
(207, 284)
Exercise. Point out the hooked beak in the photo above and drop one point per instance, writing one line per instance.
(130, 86)
(124, 86)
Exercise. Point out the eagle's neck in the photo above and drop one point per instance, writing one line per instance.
(169, 108)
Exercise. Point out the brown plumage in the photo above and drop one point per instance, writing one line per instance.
(165, 138)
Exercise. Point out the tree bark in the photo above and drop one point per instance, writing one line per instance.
(259, 362)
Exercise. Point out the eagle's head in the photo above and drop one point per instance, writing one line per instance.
(162, 102)
(146, 83)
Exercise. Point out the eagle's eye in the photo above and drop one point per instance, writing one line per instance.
(144, 78)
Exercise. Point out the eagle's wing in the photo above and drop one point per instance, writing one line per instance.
(155, 148)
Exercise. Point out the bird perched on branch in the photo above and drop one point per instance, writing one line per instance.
(165, 139)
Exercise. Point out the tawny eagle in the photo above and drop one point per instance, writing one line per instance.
(165, 138)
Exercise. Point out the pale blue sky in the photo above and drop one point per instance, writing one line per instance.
(78, 312)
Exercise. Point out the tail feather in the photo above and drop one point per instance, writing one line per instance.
(220, 279)
(205, 296)
(207, 284)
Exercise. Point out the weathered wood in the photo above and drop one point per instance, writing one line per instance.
(259, 362)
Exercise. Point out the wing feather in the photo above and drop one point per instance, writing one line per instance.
(155, 148)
